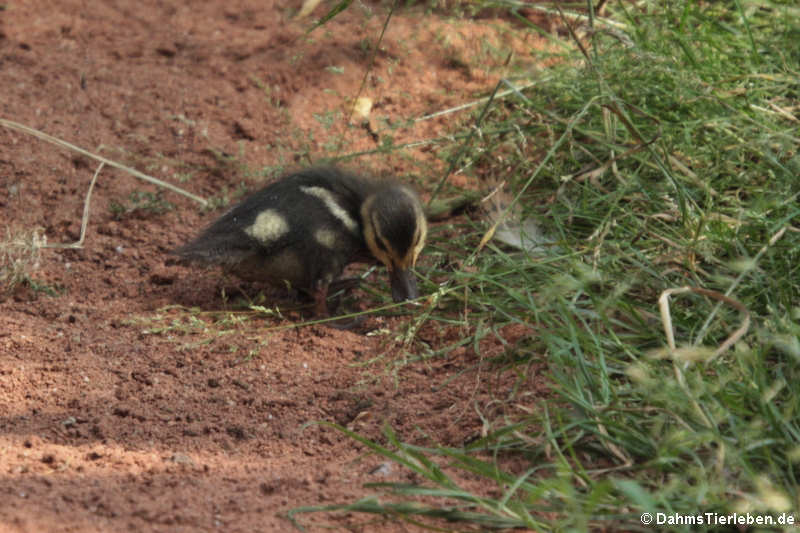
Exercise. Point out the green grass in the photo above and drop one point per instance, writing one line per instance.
(143, 202)
(667, 157)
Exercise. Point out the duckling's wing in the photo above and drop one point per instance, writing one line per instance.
(228, 239)
(242, 232)
(216, 246)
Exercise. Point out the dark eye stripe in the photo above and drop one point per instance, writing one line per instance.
(376, 233)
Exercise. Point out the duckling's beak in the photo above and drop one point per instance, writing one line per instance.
(404, 285)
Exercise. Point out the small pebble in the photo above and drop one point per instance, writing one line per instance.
(383, 469)
(181, 459)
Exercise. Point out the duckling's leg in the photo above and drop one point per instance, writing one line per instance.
(345, 284)
(320, 295)
(321, 308)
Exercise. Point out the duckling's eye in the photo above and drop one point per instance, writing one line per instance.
(381, 246)
(377, 238)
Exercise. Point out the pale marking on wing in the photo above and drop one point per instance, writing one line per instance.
(335, 209)
(326, 238)
(268, 227)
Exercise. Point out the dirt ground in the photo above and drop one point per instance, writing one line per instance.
(131, 399)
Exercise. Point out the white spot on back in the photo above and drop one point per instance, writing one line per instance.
(326, 238)
(269, 226)
(335, 209)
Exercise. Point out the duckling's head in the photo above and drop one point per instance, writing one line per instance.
(395, 229)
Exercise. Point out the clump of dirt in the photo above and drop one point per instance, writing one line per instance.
(135, 396)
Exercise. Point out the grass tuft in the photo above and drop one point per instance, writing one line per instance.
(19, 257)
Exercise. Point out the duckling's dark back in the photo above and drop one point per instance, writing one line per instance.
(303, 228)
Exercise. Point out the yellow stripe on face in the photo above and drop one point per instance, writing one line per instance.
(269, 226)
(420, 234)
(335, 209)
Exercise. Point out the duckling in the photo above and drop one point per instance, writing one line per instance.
(303, 230)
